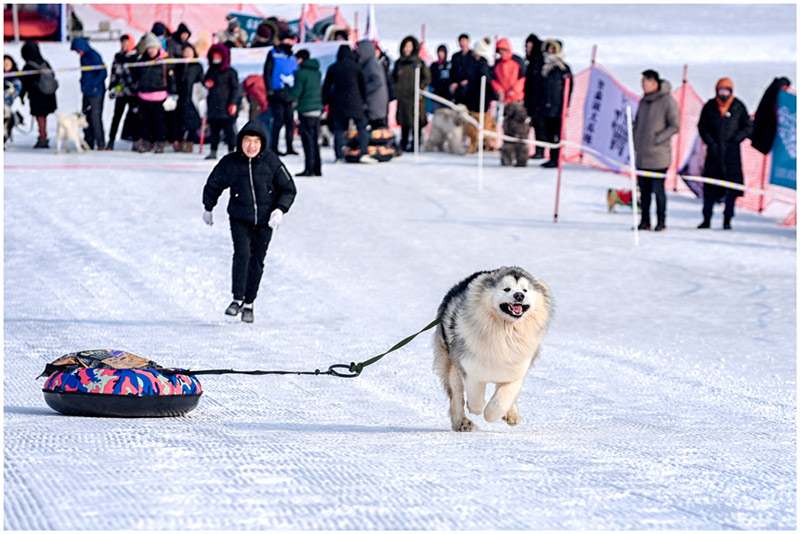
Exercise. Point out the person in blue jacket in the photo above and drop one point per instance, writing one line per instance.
(93, 88)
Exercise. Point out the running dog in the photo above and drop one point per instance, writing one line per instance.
(68, 130)
(491, 330)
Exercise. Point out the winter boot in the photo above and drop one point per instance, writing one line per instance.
(42, 143)
(539, 154)
(660, 227)
(247, 313)
(188, 146)
(144, 147)
(212, 155)
(706, 223)
(234, 308)
(726, 223)
(158, 148)
(110, 145)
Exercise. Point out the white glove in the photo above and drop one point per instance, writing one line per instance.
(275, 219)
(170, 103)
(208, 218)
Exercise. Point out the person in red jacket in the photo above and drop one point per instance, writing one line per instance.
(509, 78)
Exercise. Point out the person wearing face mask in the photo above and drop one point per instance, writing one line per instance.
(724, 124)
(261, 192)
(222, 82)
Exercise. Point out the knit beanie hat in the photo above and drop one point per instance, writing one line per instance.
(483, 49)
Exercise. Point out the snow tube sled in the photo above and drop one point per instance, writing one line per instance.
(115, 383)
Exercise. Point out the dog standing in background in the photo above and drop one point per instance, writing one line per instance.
(447, 127)
(516, 123)
(69, 130)
(491, 330)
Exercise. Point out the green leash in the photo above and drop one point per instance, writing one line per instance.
(340, 370)
(358, 367)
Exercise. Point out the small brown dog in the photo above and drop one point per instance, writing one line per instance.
(471, 132)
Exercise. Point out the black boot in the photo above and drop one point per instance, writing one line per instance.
(706, 223)
(234, 308)
(726, 223)
(247, 313)
(539, 154)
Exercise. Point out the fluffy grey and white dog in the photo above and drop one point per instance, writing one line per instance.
(69, 130)
(491, 330)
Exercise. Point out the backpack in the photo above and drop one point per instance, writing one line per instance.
(46, 83)
(283, 70)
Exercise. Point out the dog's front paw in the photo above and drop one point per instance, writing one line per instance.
(464, 425)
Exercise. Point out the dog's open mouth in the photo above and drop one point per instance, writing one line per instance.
(514, 310)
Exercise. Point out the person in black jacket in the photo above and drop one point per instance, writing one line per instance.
(178, 40)
(724, 124)
(344, 92)
(462, 70)
(41, 104)
(261, 192)
(481, 54)
(555, 72)
(188, 118)
(120, 86)
(440, 76)
(154, 84)
(534, 89)
(223, 93)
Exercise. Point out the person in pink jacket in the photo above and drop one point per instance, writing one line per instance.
(509, 76)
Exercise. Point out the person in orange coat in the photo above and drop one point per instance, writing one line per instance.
(509, 78)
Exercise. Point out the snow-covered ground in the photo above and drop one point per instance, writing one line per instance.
(665, 397)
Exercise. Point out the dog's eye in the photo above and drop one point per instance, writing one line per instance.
(524, 290)
(507, 289)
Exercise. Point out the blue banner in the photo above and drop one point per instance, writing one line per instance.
(784, 147)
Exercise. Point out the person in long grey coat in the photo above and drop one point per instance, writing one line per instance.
(657, 120)
(375, 84)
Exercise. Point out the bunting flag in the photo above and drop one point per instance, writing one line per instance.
(604, 122)
(784, 147)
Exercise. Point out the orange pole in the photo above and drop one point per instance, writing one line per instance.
(564, 107)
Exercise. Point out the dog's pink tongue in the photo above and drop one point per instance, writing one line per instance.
(517, 308)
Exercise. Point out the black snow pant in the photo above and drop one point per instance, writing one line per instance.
(714, 193)
(648, 186)
(250, 244)
(93, 109)
(407, 139)
(340, 127)
(120, 103)
(152, 122)
(282, 117)
(552, 131)
(226, 126)
(309, 135)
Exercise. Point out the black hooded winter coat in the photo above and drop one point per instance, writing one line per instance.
(257, 185)
(226, 89)
(41, 104)
(722, 136)
(344, 88)
(534, 83)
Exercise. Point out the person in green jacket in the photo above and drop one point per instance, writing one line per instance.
(307, 92)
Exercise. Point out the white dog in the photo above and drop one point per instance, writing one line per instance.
(492, 325)
(447, 127)
(69, 130)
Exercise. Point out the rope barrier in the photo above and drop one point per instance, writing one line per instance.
(150, 63)
(623, 166)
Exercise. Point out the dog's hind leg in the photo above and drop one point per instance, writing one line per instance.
(512, 417)
(503, 402)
